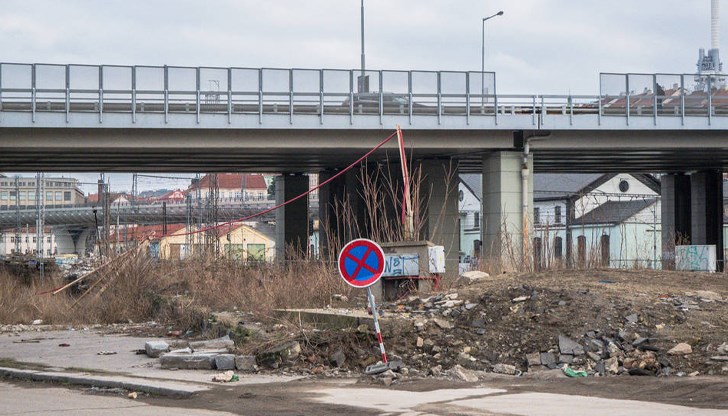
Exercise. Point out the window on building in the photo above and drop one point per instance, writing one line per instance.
(35, 239)
(537, 216)
(12, 239)
(557, 214)
(23, 195)
(256, 252)
(49, 252)
(13, 196)
(49, 196)
(48, 239)
(558, 247)
(59, 196)
(26, 238)
(31, 196)
(4, 195)
(67, 196)
(476, 220)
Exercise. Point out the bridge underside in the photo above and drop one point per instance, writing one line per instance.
(295, 151)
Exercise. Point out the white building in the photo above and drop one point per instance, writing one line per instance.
(25, 242)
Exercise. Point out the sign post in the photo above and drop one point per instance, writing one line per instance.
(361, 264)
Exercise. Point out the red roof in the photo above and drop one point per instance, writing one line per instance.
(234, 181)
(143, 231)
(176, 195)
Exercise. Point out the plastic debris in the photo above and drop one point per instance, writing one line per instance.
(570, 372)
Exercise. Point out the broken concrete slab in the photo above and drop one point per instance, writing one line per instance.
(155, 349)
(569, 346)
(225, 362)
(213, 344)
(195, 361)
(246, 363)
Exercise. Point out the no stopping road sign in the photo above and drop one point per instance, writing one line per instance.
(361, 263)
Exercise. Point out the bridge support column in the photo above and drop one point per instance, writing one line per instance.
(676, 218)
(71, 241)
(441, 220)
(291, 220)
(342, 215)
(505, 224)
(707, 211)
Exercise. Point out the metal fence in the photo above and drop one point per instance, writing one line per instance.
(168, 90)
(103, 89)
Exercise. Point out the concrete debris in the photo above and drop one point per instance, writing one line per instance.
(225, 362)
(338, 358)
(569, 346)
(506, 369)
(225, 377)
(463, 374)
(520, 299)
(213, 344)
(155, 349)
(280, 355)
(442, 323)
(37, 322)
(246, 363)
(133, 395)
(194, 361)
(472, 277)
(681, 349)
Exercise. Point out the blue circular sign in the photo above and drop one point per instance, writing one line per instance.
(361, 263)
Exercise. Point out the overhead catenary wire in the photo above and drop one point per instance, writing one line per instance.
(296, 198)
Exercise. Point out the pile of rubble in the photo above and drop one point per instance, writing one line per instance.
(600, 329)
(219, 354)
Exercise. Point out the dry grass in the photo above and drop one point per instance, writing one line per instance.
(139, 289)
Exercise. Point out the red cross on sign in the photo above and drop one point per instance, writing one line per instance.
(361, 263)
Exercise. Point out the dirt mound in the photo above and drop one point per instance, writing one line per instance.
(600, 322)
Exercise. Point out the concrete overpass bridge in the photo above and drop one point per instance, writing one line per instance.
(292, 121)
(91, 216)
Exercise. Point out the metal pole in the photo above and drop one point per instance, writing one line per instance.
(373, 306)
(482, 60)
(363, 57)
(482, 70)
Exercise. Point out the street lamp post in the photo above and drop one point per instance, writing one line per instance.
(482, 67)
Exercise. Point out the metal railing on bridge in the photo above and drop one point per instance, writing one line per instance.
(231, 92)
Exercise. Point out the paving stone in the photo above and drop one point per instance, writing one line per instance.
(155, 349)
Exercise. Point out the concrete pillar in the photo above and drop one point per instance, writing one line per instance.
(504, 221)
(342, 215)
(676, 217)
(292, 219)
(441, 220)
(706, 207)
(72, 241)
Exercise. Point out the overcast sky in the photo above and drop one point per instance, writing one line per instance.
(536, 47)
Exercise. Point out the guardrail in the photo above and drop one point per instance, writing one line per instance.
(168, 90)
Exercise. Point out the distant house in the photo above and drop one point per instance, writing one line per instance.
(612, 220)
(173, 197)
(251, 242)
(232, 186)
